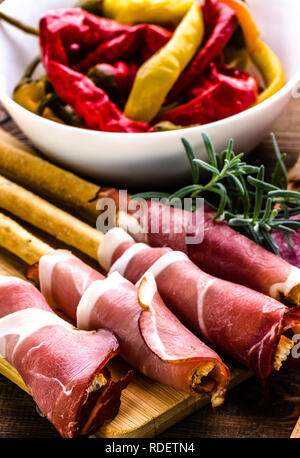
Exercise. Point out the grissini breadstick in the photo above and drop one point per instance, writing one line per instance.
(46, 179)
(45, 216)
(18, 241)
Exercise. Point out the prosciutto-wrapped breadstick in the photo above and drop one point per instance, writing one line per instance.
(62, 367)
(223, 252)
(246, 324)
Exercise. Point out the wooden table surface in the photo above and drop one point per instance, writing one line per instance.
(247, 412)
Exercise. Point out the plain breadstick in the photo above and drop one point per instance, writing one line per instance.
(47, 217)
(20, 242)
(46, 179)
(17, 240)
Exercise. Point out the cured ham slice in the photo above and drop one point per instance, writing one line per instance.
(62, 367)
(151, 338)
(237, 320)
(223, 252)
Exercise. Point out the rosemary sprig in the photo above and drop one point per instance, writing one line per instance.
(240, 195)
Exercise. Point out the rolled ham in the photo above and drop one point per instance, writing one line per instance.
(151, 338)
(245, 324)
(223, 252)
(62, 367)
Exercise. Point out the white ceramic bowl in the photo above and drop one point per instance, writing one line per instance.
(146, 160)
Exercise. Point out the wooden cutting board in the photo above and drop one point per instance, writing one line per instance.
(148, 408)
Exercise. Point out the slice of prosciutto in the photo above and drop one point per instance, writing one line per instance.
(245, 324)
(151, 338)
(223, 252)
(62, 367)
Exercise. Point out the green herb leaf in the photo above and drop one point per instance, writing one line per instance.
(206, 166)
(210, 150)
(285, 194)
(223, 199)
(194, 188)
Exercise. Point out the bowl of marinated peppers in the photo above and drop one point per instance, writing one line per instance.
(146, 66)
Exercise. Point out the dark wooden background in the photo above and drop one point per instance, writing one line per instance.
(248, 411)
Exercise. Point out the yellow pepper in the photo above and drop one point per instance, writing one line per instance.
(158, 74)
(270, 66)
(162, 12)
(29, 94)
(260, 53)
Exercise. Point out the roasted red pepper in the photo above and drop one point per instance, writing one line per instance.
(226, 22)
(222, 93)
(90, 102)
(210, 15)
(141, 41)
(72, 41)
(81, 40)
